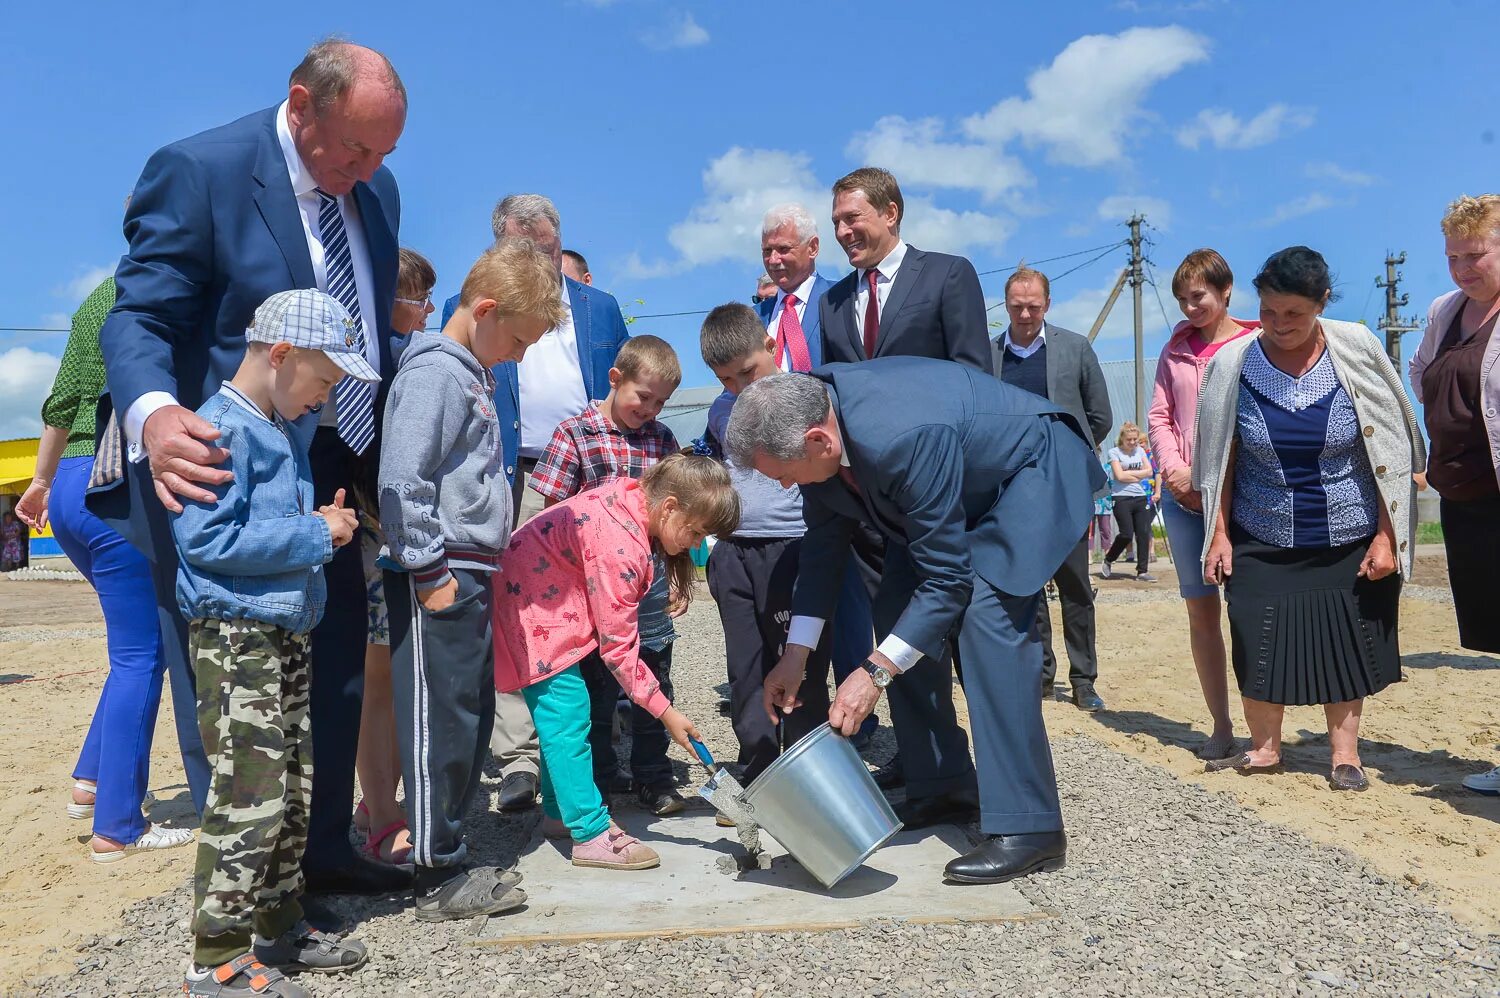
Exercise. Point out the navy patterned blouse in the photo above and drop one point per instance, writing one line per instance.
(1302, 478)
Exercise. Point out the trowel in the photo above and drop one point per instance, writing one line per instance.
(727, 796)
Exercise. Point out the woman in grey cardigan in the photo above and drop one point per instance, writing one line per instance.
(1306, 444)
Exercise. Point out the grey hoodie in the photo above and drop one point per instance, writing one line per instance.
(444, 500)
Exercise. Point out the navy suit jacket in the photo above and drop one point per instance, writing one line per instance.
(598, 329)
(214, 230)
(970, 476)
(812, 325)
(935, 308)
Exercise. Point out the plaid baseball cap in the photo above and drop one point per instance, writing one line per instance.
(312, 320)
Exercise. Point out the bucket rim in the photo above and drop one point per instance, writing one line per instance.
(784, 761)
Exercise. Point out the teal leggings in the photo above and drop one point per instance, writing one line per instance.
(560, 709)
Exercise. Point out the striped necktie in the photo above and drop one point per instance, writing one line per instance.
(354, 400)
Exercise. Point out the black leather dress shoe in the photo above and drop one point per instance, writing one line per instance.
(358, 876)
(891, 775)
(517, 792)
(944, 809)
(1008, 857)
(1084, 698)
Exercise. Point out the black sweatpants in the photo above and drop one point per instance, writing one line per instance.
(1134, 515)
(443, 674)
(751, 580)
(649, 765)
(1076, 593)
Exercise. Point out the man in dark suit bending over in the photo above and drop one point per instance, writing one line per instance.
(979, 497)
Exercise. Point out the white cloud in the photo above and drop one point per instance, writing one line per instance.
(1336, 173)
(738, 187)
(1296, 208)
(77, 289)
(1225, 130)
(1120, 207)
(915, 151)
(1079, 311)
(25, 379)
(927, 226)
(1082, 106)
(683, 32)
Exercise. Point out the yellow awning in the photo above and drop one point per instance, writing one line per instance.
(17, 464)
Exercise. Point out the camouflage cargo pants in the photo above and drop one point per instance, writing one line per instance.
(252, 712)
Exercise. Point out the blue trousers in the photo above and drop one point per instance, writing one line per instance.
(117, 749)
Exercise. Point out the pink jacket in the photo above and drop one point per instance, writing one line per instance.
(569, 583)
(1174, 403)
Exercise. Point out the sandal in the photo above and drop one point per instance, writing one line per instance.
(362, 819)
(156, 837)
(374, 845)
(80, 811)
(242, 977)
(1241, 764)
(481, 891)
(304, 948)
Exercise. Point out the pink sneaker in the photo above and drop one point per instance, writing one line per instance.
(614, 850)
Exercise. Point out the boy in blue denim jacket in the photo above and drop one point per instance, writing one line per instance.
(250, 581)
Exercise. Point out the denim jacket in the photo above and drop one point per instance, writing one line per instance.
(257, 553)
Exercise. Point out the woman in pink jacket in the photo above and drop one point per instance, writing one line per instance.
(573, 578)
(1202, 285)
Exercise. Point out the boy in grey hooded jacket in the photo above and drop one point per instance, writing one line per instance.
(445, 509)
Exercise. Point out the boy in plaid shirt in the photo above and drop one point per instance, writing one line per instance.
(620, 438)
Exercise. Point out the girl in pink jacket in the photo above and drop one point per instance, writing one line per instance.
(1202, 286)
(571, 582)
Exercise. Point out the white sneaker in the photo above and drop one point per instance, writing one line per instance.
(1485, 783)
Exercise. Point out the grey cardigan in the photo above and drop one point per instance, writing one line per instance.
(1388, 425)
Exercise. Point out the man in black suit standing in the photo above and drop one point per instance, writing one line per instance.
(1060, 366)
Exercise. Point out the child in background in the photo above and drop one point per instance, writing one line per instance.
(751, 573)
(250, 581)
(574, 577)
(621, 438)
(445, 506)
(379, 817)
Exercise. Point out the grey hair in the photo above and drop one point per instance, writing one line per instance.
(793, 213)
(772, 417)
(525, 210)
(332, 66)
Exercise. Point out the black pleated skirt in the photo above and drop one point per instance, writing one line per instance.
(1305, 628)
(1471, 534)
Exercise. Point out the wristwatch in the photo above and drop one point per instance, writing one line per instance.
(879, 675)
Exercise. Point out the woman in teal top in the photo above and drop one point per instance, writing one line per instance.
(113, 768)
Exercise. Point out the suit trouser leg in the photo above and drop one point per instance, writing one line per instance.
(443, 678)
(748, 656)
(513, 742)
(1017, 785)
(604, 696)
(934, 748)
(1076, 594)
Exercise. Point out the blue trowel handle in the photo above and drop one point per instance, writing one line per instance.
(703, 754)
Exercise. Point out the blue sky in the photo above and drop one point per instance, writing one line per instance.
(663, 129)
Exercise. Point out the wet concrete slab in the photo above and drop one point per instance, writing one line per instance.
(689, 894)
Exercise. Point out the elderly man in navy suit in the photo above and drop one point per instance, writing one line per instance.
(294, 196)
(563, 372)
(979, 497)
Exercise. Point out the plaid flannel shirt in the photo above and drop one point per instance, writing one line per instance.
(587, 450)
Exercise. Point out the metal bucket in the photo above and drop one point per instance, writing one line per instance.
(820, 802)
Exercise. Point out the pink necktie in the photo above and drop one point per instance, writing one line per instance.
(872, 313)
(790, 338)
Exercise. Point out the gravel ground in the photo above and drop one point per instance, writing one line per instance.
(1171, 889)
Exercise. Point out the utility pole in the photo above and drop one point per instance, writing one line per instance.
(1137, 279)
(1393, 324)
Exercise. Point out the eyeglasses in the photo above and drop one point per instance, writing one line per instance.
(421, 302)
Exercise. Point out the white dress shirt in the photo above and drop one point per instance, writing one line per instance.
(803, 292)
(887, 268)
(1006, 343)
(550, 383)
(806, 631)
(308, 206)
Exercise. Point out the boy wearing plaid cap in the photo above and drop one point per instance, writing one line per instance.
(620, 437)
(250, 581)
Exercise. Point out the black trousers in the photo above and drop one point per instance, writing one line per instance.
(649, 765)
(1134, 515)
(443, 678)
(1076, 593)
(751, 581)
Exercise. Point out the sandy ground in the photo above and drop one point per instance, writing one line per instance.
(1419, 739)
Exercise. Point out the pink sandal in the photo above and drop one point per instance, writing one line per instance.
(362, 819)
(397, 857)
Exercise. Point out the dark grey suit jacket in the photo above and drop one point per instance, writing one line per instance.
(1075, 382)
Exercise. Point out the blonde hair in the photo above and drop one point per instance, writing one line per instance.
(704, 493)
(1128, 428)
(648, 356)
(519, 278)
(1472, 217)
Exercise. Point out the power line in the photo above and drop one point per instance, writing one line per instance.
(1107, 251)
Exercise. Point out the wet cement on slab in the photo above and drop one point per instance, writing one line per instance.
(689, 895)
